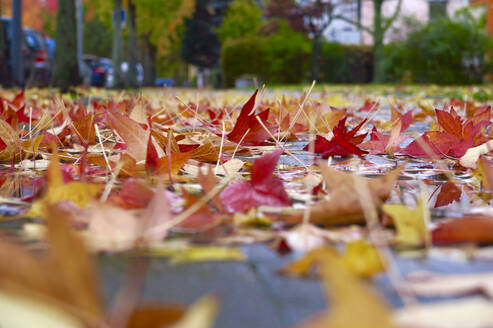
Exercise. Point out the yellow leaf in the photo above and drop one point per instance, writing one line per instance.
(180, 255)
(23, 311)
(253, 219)
(304, 266)
(201, 314)
(362, 259)
(31, 146)
(11, 139)
(79, 193)
(409, 222)
(353, 304)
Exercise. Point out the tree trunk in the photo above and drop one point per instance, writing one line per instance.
(132, 47)
(149, 59)
(80, 33)
(118, 81)
(316, 50)
(66, 65)
(378, 49)
(5, 77)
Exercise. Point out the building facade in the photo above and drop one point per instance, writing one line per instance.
(412, 12)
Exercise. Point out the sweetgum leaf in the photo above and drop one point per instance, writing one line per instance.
(263, 189)
(467, 229)
(247, 120)
(449, 192)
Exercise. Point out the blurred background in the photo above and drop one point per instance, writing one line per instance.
(242, 43)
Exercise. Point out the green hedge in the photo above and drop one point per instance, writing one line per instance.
(346, 63)
(240, 57)
(281, 59)
(445, 51)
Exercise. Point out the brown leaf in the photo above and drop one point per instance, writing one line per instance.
(63, 277)
(352, 303)
(344, 205)
(208, 182)
(177, 161)
(133, 134)
(10, 139)
(74, 267)
(155, 316)
(430, 284)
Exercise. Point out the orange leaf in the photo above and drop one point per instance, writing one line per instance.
(177, 161)
(467, 229)
(133, 134)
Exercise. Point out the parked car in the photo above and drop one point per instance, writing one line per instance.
(50, 45)
(164, 82)
(124, 68)
(103, 69)
(27, 57)
(41, 69)
(140, 72)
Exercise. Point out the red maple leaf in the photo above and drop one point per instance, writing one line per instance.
(152, 157)
(455, 139)
(263, 188)
(3, 145)
(467, 229)
(343, 143)
(449, 192)
(369, 106)
(248, 129)
(406, 119)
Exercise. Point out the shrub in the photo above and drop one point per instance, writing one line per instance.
(346, 63)
(243, 19)
(243, 56)
(288, 56)
(445, 51)
(279, 58)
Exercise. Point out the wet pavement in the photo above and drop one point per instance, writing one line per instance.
(251, 292)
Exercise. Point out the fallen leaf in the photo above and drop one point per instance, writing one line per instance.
(177, 161)
(343, 143)
(201, 314)
(9, 141)
(467, 229)
(247, 130)
(431, 284)
(263, 189)
(471, 157)
(135, 136)
(232, 166)
(189, 254)
(23, 311)
(449, 193)
(112, 228)
(155, 316)
(486, 168)
(79, 193)
(63, 278)
(352, 303)
(342, 205)
(409, 222)
(360, 258)
(469, 312)
(208, 182)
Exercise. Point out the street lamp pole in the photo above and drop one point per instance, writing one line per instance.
(17, 41)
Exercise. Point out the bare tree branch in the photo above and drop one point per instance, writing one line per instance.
(391, 19)
(355, 23)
